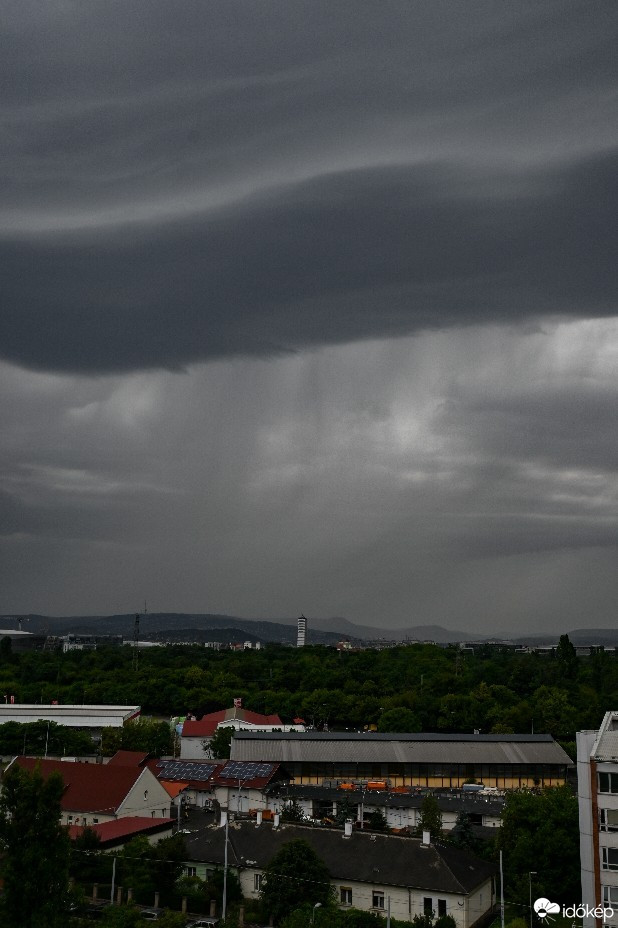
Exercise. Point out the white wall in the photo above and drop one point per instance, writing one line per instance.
(146, 797)
(587, 828)
(404, 904)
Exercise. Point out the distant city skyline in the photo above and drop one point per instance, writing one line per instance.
(311, 308)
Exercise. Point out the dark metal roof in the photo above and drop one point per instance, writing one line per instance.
(383, 736)
(375, 859)
(344, 747)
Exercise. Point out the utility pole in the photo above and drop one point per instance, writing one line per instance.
(224, 905)
(501, 893)
(113, 881)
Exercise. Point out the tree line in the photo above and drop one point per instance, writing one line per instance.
(414, 687)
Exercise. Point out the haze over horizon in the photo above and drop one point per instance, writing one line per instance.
(310, 308)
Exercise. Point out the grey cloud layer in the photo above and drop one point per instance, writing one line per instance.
(393, 482)
(307, 183)
(253, 179)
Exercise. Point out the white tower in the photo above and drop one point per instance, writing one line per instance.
(302, 632)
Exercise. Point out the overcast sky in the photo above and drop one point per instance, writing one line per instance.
(310, 307)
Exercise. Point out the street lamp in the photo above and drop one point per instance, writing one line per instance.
(316, 906)
(531, 873)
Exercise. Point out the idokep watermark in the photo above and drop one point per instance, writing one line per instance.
(546, 909)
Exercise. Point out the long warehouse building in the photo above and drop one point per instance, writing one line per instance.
(417, 759)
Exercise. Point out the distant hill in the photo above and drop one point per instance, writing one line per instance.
(202, 635)
(158, 625)
(178, 626)
(168, 625)
(414, 633)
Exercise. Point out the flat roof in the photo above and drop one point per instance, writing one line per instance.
(86, 716)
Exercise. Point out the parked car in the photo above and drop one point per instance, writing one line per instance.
(150, 915)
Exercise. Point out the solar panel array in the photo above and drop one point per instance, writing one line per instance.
(245, 770)
(185, 770)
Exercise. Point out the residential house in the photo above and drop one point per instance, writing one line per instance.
(368, 871)
(96, 793)
(197, 734)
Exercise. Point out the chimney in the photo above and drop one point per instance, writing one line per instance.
(426, 838)
(347, 828)
(276, 822)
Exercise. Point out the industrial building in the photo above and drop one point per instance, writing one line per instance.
(417, 759)
(90, 718)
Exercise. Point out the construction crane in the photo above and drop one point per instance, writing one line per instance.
(136, 642)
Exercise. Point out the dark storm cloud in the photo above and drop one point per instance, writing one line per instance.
(237, 181)
(369, 254)
(252, 179)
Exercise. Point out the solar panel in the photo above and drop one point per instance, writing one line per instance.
(245, 770)
(185, 770)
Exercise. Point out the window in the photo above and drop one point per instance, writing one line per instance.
(191, 871)
(95, 821)
(257, 882)
(610, 896)
(610, 858)
(427, 906)
(345, 895)
(377, 899)
(441, 907)
(608, 819)
(608, 782)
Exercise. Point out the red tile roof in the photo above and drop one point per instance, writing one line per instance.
(208, 723)
(128, 759)
(173, 787)
(218, 777)
(88, 787)
(201, 729)
(122, 827)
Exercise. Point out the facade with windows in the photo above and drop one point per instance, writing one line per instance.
(401, 807)
(373, 873)
(597, 789)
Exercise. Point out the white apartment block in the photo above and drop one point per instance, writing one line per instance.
(597, 790)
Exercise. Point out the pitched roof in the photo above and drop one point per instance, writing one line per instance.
(202, 729)
(208, 723)
(112, 832)
(206, 774)
(128, 759)
(369, 858)
(173, 787)
(87, 787)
